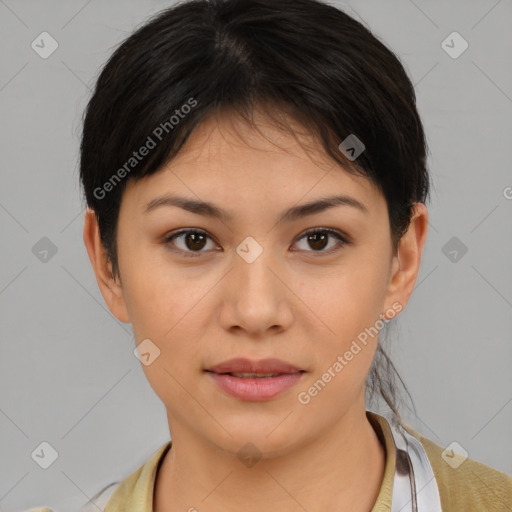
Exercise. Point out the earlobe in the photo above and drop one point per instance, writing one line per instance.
(110, 288)
(406, 264)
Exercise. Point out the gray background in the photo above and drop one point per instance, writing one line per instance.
(68, 375)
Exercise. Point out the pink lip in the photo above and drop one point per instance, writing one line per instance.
(255, 389)
(243, 365)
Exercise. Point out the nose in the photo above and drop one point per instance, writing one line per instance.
(255, 296)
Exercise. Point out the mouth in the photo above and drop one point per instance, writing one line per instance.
(242, 367)
(255, 375)
(255, 380)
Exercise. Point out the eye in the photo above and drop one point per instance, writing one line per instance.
(318, 239)
(193, 241)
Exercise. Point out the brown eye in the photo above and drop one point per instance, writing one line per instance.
(192, 241)
(318, 240)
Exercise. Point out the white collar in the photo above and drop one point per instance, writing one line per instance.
(414, 485)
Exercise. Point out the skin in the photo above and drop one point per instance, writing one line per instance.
(303, 306)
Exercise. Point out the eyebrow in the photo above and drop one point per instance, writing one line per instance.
(293, 213)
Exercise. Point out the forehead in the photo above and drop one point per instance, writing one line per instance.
(228, 160)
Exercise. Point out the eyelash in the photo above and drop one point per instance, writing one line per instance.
(194, 254)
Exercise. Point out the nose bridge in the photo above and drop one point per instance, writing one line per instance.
(256, 295)
(253, 263)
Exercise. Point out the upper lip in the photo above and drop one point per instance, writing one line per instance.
(243, 365)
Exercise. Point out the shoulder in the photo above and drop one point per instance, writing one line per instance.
(464, 483)
(96, 504)
(99, 501)
(136, 487)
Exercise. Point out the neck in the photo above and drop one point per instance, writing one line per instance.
(342, 470)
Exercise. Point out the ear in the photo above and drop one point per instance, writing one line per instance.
(110, 288)
(406, 263)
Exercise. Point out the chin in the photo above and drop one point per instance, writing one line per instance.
(258, 439)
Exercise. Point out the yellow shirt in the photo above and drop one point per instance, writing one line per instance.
(471, 487)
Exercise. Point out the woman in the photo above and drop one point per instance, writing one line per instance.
(255, 175)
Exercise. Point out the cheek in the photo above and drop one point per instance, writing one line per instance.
(352, 298)
(349, 304)
(167, 306)
(166, 309)
(344, 356)
(157, 295)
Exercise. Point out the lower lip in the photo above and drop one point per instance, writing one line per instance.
(255, 389)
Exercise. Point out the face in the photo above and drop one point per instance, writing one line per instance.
(256, 284)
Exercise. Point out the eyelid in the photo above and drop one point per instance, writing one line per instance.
(168, 238)
(341, 236)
